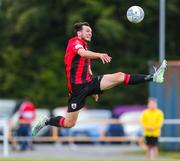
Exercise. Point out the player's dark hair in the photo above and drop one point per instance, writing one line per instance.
(78, 26)
(152, 99)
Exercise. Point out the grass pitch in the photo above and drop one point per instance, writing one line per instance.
(26, 160)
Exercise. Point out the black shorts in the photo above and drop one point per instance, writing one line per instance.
(80, 92)
(152, 141)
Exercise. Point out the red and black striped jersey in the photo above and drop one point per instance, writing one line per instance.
(77, 67)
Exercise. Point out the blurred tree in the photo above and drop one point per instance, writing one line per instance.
(34, 35)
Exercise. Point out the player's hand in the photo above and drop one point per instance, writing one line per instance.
(105, 58)
(96, 97)
(149, 128)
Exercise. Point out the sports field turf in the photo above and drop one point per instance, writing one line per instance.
(15, 160)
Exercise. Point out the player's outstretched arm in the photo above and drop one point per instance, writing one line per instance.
(105, 58)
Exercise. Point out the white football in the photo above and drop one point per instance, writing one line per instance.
(135, 14)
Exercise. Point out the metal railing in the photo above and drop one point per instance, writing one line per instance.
(8, 137)
(5, 137)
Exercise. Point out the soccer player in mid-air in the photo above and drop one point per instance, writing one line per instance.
(81, 83)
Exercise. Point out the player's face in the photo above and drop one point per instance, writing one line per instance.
(86, 33)
(152, 105)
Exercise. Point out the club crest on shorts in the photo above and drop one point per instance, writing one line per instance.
(73, 105)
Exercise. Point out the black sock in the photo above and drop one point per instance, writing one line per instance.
(57, 121)
(137, 78)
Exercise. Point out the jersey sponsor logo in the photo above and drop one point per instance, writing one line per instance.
(78, 46)
(73, 105)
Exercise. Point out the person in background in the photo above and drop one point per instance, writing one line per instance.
(27, 115)
(152, 121)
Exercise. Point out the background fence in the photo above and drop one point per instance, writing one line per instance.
(8, 138)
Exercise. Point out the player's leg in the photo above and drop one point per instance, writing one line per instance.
(111, 80)
(155, 152)
(59, 121)
(75, 103)
(66, 122)
(148, 152)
